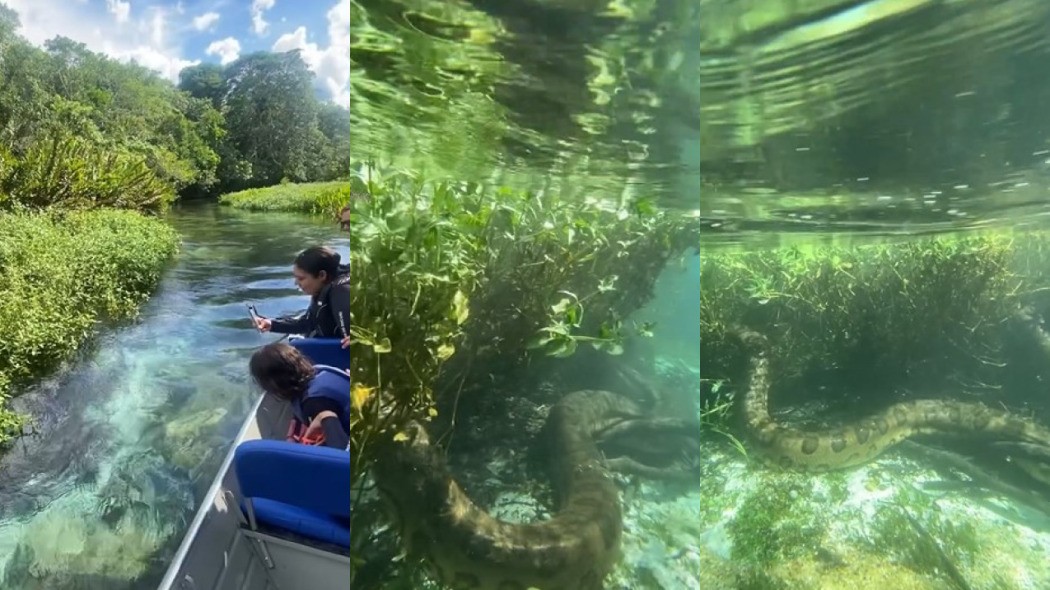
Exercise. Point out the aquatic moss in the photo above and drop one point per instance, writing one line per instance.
(892, 532)
(776, 522)
(61, 274)
(319, 198)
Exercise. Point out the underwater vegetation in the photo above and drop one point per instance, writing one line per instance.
(944, 332)
(460, 284)
(452, 274)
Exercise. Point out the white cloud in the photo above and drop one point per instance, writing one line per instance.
(258, 9)
(146, 42)
(120, 10)
(157, 27)
(205, 21)
(294, 40)
(331, 64)
(228, 50)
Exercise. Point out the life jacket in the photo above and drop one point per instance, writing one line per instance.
(338, 327)
(328, 382)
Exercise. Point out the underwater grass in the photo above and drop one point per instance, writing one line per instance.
(316, 198)
(63, 273)
(912, 313)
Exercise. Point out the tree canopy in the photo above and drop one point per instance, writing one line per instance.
(64, 110)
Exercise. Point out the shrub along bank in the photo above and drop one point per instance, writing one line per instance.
(63, 273)
(318, 198)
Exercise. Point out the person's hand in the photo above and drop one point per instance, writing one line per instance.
(263, 324)
(346, 342)
(315, 431)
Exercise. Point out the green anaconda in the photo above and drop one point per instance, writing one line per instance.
(469, 549)
(861, 441)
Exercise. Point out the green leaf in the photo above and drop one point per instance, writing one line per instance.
(460, 307)
(538, 340)
(564, 348)
(561, 306)
(445, 351)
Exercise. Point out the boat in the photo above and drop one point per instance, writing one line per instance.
(277, 515)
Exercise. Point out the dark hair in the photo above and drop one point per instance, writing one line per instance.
(281, 370)
(319, 258)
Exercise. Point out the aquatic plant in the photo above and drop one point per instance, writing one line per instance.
(325, 198)
(60, 275)
(717, 414)
(913, 314)
(916, 532)
(451, 273)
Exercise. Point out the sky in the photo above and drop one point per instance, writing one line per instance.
(168, 35)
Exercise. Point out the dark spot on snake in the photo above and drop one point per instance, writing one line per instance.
(810, 445)
(838, 443)
(882, 426)
(785, 461)
(863, 432)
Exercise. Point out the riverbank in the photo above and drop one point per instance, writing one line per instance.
(60, 275)
(316, 198)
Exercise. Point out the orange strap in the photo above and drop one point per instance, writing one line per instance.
(297, 434)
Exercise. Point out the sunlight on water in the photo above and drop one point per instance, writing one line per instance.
(576, 97)
(128, 440)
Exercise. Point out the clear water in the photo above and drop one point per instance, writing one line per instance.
(590, 98)
(129, 436)
(843, 123)
(873, 117)
(586, 99)
(780, 122)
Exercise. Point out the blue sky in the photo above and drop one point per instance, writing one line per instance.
(168, 35)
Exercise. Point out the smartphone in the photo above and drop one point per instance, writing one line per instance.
(254, 315)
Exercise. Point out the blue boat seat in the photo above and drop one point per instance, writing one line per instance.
(301, 489)
(323, 351)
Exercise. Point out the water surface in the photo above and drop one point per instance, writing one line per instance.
(589, 99)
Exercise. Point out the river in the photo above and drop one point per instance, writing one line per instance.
(128, 437)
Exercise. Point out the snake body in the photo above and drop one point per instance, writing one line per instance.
(861, 441)
(469, 549)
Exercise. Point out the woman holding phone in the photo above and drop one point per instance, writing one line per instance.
(317, 273)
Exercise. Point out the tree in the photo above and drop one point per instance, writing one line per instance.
(271, 115)
(205, 81)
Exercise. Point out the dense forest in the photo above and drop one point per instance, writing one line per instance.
(79, 129)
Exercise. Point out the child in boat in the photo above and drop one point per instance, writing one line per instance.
(320, 395)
